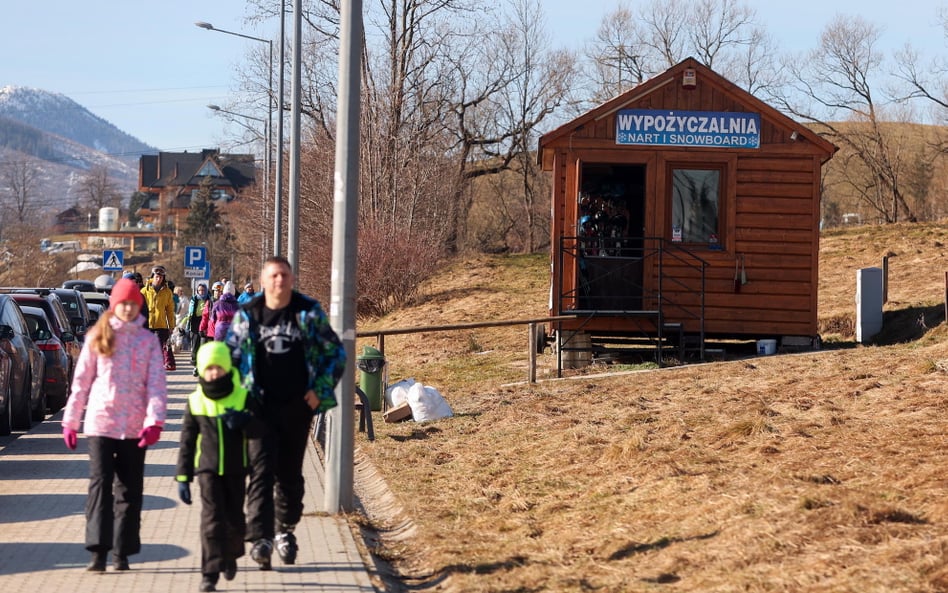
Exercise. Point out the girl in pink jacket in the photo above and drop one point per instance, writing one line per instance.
(120, 395)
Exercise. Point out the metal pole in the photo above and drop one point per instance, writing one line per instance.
(278, 185)
(340, 439)
(269, 147)
(278, 174)
(292, 213)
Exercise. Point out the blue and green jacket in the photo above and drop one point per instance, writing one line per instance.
(324, 352)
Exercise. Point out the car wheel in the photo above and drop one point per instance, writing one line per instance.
(39, 412)
(20, 415)
(57, 403)
(5, 411)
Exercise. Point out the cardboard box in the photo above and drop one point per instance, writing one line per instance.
(398, 413)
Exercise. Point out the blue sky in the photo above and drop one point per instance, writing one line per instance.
(146, 67)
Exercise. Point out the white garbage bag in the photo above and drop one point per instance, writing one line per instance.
(397, 393)
(427, 403)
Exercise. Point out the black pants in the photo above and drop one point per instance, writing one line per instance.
(195, 344)
(164, 334)
(275, 488)
(222, 520)
(114, 503)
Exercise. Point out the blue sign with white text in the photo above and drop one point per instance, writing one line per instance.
(196, 265)
(711, 129)
(194, 257)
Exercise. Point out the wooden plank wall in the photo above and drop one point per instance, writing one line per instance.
(774, 232)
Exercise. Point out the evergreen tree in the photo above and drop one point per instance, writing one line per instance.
(206, 226)
(204, 219)
(136, 201)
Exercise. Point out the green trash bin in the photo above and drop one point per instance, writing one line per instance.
(371, 362)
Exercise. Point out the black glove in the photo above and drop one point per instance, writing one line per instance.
(184, 492)
(234, 419)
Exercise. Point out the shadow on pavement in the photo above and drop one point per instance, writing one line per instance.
(36, 556)
(18, 508)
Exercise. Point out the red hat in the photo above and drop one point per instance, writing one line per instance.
(125, 290)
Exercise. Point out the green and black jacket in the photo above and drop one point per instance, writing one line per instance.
(207, 444)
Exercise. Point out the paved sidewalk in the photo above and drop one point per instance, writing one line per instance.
(42, 500)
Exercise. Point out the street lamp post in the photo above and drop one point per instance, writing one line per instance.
(278, 185)
(267, 135)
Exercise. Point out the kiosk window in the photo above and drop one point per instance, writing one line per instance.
(696, 204)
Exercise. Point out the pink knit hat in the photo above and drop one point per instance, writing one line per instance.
(125, 290)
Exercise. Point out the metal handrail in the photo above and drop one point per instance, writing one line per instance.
(645, 248)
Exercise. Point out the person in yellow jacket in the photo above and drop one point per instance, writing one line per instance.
(159, 301)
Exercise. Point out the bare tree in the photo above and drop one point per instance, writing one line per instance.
(632, 46)
(836, 88)
(617, 57)
(714, 26)
(929, 81)
(19, 192)
(96, 190)
(541, 86)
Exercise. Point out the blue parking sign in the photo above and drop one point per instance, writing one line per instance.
(195, 257)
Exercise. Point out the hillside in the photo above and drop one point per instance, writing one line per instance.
(62, 141)
(817, 471)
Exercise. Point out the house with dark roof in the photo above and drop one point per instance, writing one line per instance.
(71, 219)
(171, 179)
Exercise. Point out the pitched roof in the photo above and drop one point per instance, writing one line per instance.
(181, 169)
(656, 86)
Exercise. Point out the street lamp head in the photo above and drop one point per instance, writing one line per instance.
(204, 25)
(214, 107)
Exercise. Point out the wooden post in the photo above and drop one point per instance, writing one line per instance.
(532, 354)
(946, 296)
(885, 279)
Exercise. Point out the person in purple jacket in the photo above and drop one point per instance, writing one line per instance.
(223, 311)
(119, 384)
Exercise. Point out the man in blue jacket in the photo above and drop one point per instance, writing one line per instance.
(290, 360)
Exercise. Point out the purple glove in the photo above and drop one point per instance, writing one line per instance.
(71, 438)
(149, 436)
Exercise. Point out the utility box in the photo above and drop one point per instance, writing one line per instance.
(868, 303)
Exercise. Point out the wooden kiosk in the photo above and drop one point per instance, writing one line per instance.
(683, 209)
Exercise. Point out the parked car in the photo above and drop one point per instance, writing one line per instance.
(96, 310)
(58, 374)
(6, 385)
(77, 312)
(97, 297)
(80, 285)
(29, 365)
(76, 309)
(59, 322)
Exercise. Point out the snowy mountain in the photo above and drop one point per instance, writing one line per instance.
(64, 141)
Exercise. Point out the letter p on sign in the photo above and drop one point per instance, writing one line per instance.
(194, 257)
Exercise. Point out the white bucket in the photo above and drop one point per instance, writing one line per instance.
(766, 347)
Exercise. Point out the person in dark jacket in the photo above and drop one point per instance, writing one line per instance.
(214, 450)
(290, 360)
(196, 306)
(223, 312)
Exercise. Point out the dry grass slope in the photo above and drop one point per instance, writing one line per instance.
(817, 471)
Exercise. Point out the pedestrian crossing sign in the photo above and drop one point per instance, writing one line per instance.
(113, 260)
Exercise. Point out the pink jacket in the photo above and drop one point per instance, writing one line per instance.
(207, 320)
(121, 394)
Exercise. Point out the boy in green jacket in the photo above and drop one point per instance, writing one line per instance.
(214, 449)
